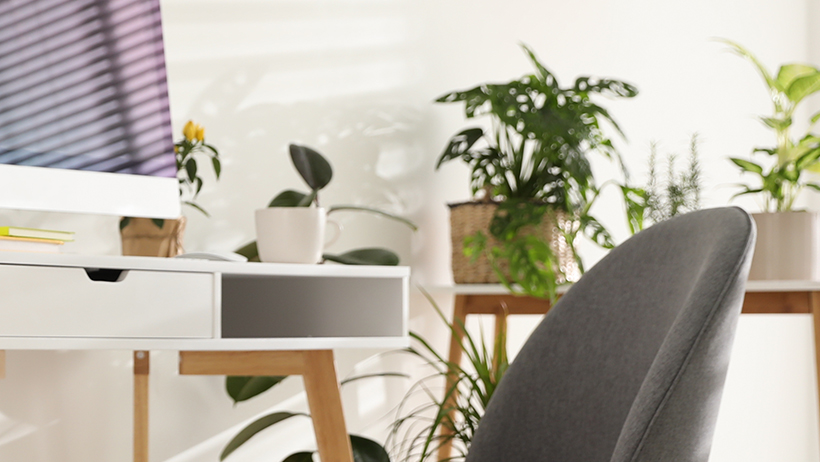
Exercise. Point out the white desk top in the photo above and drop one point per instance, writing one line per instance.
(192, 304)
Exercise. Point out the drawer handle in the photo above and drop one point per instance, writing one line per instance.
(106, 274)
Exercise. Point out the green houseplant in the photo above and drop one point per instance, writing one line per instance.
(784, 248)
(243, 388)
(533, 164)
(317, 173)
(663, 198)
(159, 237)
(447, 419)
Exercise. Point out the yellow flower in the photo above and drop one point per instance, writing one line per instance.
(176, 149)
(189, 130)
(200, 132)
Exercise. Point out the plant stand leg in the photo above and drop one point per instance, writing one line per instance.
(814, 299)
(326, 407)
(459, 319)
(141, 371)
(319, 374)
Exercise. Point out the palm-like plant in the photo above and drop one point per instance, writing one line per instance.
(452, 417)
(783, 181)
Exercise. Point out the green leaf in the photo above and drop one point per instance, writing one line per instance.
(367, 450)
(803, 87)
(747, 166)
(788, 73)
(249, 251)
(775, 123)
(597, 232)
(290, 198)
(299, 457)
(314, 168)
(747, 191)
(815, 118)
(807, 159)
(190, 168)
(737, 48)
(813, 186)
(253, 428)
(217, 166)
(367, 256)
(338, 208)
(192, 204)
(243, 388)
(124, 222)
(459, 145)
(368, 376)
(159, 222)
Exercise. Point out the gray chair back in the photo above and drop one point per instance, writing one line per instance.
(629, 365)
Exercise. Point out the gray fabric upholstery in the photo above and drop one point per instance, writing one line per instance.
(629, 365)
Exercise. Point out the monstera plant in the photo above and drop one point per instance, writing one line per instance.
(533, 162)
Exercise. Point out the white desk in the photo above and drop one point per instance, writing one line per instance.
(224, 318)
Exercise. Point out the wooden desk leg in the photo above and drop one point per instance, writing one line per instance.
(459, 320)
(141, 371)
(2, 364)
(325, 404)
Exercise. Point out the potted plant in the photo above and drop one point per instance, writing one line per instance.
(442, 427)
(531, 176)
(786, 246)
(662, 199)
(156, 237)
(291, 215)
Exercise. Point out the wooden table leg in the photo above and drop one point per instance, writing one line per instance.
(141, 371)
(2, 364)
(459, 320)
(319, 374)
(325, 404)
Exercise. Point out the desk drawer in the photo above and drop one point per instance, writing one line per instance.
(45, 301)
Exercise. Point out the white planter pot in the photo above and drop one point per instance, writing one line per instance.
(787, 246)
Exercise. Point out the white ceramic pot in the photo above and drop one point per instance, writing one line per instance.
(787, 246)
(293, 234)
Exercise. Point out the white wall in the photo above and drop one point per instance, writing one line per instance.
(355, 79)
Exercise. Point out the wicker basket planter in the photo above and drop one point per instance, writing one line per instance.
(143, 238)
(467, 218)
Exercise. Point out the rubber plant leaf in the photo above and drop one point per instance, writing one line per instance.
(314, 168)
(290, 198)
(299, 457)
(255, 427)
(243, 388)
(339, 208)
(367, 450)
(368, 256)
(249, 251)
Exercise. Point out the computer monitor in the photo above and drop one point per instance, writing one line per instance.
(84, 118)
